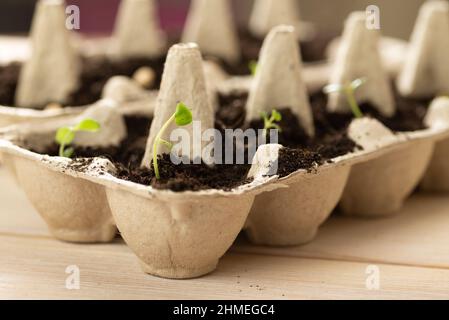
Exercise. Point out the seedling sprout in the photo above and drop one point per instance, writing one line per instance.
(66, 135)
(349, 90)
(252, 66)
(270, 121)
(182, 117)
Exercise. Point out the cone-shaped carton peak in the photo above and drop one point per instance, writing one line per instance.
(426, 69)
(358, 57)
(211, 26)
(215, 76)
(137, 30)
(279, 79)
(183, 81)
(267, 14)
(112, 125)
(40, 82)
(265, 161)
(438, 115)
(184, 49)
(53, 2)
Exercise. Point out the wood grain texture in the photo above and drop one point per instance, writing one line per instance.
(410, 250)
(111, 271)
(417, 236)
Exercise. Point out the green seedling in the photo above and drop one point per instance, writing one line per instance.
(270, 121)
(66, 135)
(252, 66)
(349, 90)
(182, 117)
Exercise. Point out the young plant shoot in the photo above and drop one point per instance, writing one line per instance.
(182, 117)
(270, 121)
(66, 135)
(252, 66)
(349, 90)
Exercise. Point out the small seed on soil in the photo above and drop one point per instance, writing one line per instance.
(145, 77)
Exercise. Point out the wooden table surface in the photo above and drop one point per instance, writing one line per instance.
(410, 251)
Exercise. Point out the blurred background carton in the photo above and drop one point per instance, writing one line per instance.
(97, 16)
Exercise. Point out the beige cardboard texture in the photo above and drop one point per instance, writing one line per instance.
(183, 81)
(291, 216)
(179, 239)
(137, 32)
(112, 125)
(175, 235)
(392, 51)
(166, 229)
(436, 178)
(358, 57)
(426, 71)
(437, 175)
(267, 14)
(210, 24)
(75, 210)
(18, 49)
(40, 82)
(279, 79)
(380, 186)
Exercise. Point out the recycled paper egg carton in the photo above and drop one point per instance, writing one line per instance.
(20, 47)
(55, 45)
(128, 42)
(183, 234)
(17, 49)
(407, 62)
(316, 74)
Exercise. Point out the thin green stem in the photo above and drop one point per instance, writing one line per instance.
(61, 149)
(156, 143)
(168, 144)
(349, 92)
(62, 146)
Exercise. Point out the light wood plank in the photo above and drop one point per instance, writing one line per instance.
(36, 269)
(417, 236)
(17, 216)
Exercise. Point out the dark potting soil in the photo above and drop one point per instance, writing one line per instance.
(327, 144)
(9, 76)
(129, 153)
(299, 152)
(193, 177)
(128, 156)
(331, 138)
(409, 116)
(302, 152)
(94, 75)
(97, 71)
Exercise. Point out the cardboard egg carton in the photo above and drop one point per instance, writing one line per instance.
(183, 234)
(137, 33)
